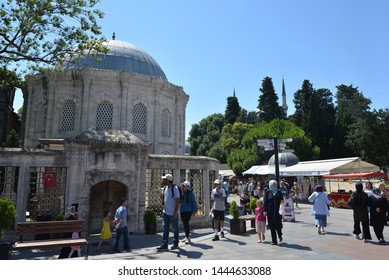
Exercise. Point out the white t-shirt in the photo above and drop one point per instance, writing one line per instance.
(218, 201)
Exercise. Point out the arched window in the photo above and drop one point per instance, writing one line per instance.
(139, 119)
(165, 123)
(68, 116)
(104, 114)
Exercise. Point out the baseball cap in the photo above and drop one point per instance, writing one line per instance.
(168, 177)
(217, 182)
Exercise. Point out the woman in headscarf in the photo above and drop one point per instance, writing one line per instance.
(272, 200)
(188, 208)
(378, 208)
(359, 203)
(320, 208)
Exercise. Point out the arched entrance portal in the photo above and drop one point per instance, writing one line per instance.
(104, 195)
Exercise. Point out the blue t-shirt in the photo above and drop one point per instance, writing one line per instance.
(122, 212)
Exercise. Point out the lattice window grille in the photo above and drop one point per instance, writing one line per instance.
(46, 201)
(104, 113)
(139, 119)
(165, 123)
(9, 179)
(68, 116)
(153, 184)
(195, 177)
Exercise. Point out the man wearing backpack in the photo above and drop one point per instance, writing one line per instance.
(170, 195)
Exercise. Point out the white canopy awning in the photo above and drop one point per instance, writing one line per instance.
(330, 166)
(259, 170)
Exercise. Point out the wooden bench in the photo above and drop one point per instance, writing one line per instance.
(249, 217)
(50, 227)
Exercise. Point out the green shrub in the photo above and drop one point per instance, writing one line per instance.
(7, 216)
(59, 217)
(234, 212)
(150, 216)
(253, 203)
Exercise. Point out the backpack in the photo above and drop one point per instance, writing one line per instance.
(173, 186)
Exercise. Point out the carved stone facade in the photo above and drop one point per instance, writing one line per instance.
(97, 132)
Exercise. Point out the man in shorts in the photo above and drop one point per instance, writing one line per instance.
(218, 196)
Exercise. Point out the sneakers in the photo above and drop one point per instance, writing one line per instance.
(216, 237)
(357, 236)
(319, 230)
(174, 247)
(187, 240)
(382, 241)
(162, 248)
(222, 234)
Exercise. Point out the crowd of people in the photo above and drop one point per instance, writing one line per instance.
(370, 208)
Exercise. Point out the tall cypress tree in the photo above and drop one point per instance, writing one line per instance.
(268, 102)
(232, 110)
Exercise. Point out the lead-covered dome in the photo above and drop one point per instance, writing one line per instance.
(121, 56)
(286, 159)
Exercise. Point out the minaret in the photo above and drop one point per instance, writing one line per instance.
(284, 106)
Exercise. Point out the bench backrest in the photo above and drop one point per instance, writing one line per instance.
(47, 227)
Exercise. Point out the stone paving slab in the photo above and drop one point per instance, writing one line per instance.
(301, 242)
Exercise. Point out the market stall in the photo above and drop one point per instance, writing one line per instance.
(340, 197)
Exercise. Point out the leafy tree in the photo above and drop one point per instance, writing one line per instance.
(203, 136)
(268, 102)
(248, 117)
(325, 125)
(43, 31)
(231, 137)
(13, 140)
(315, 114)
(249, 153)
(352, 115)
(232, 110)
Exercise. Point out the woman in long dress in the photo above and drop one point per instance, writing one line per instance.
(272, 200)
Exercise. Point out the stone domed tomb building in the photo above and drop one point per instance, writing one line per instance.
(104, 126)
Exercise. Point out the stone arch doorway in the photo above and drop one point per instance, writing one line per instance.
(104, 195)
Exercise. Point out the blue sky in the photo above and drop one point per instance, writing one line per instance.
(210, 47)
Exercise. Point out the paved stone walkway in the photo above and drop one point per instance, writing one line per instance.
(301, 242)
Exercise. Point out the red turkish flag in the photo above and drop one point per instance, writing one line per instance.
(49, 180)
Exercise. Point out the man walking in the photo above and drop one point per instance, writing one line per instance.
(170, 195)
(121, 226)
(218, 196)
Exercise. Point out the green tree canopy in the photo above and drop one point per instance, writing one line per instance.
(232, 110)
(315, 114)
(43, 31)
(352, 115)
(268, 102)
(203, 136)
(13, 140)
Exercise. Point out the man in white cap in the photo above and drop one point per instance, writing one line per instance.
(170, 195)
(218, 196)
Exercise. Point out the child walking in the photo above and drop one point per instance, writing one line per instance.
(106, 233)
(75, 247)
(260, 220)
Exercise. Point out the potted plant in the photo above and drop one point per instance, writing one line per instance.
(7, 220)
(237, 226)
(150, 219)
(253, 205)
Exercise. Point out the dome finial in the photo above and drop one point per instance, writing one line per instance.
(113, 36)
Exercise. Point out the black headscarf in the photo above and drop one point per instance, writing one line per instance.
(359, 187)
